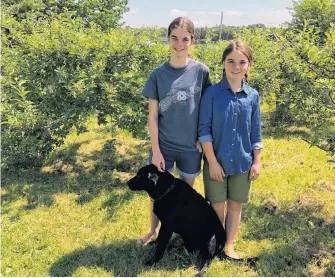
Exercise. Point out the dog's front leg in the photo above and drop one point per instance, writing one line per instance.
(163, 238)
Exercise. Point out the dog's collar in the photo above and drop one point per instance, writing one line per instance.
(166, 192)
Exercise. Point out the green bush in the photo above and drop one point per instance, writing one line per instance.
(62, 73)
(58, 71)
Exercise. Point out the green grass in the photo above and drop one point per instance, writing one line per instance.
(76, 216)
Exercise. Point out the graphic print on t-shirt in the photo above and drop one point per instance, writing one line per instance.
(177, 95)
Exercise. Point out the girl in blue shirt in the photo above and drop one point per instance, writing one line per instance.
(230, 133)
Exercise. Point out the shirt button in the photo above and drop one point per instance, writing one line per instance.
(231, 160)
(233, 129)
(235, 114)
(232, 144)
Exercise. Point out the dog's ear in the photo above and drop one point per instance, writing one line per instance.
(152, 168)
(153, 177)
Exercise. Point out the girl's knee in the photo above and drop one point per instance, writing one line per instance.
(234, 205)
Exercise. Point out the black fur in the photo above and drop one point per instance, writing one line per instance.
(183, 211)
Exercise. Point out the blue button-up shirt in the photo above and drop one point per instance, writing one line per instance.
(233, 123)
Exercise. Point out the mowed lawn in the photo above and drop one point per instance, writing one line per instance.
(76, 216)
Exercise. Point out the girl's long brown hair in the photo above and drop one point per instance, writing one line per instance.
(182, 22)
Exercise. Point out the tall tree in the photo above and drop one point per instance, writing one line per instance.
(316, 14)
(105, 13)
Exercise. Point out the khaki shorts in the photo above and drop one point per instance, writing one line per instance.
(235, 187)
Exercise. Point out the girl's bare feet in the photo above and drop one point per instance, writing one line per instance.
(231, 252)
(146, 238)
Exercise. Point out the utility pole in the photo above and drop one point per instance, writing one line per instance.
(221, 25)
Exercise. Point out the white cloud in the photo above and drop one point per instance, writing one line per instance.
(233, 13)
(201, 23)
(269, 17)
(178, 12)
(201, 13)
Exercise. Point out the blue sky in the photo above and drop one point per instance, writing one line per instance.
(207, 12)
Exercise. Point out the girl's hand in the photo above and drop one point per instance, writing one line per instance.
(158, 161)
(216, 171)
(254, 171)
(199, 148)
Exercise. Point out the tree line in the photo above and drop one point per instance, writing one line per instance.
(63, 61)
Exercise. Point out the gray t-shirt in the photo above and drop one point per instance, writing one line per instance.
(178, 91)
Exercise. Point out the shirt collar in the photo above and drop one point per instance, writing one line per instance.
(224, 85)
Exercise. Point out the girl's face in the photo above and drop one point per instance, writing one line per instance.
(236, 65)
(179, 42)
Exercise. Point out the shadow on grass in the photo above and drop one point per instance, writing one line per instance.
(74, 170)
(122, 259)
(283, 132)
(322, 139)
(301, 240)
(330, 271)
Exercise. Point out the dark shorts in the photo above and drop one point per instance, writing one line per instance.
(234, 187)
(188, 164)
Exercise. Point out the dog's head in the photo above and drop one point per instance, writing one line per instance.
(151, 180)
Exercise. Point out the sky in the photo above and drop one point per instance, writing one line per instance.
(203, 13)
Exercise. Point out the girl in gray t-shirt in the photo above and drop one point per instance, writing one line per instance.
(174, 90)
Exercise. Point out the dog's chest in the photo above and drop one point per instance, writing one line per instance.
(174, 210)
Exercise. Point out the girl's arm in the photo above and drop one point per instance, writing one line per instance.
(256, 129)
(256, 140)
(215, 170)
(157, 157)
(256, 165)
(206, 83)
(205, 135)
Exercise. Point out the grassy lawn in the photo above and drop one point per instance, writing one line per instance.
(76, 216)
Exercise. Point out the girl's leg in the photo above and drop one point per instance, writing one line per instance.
(190, 181)
(153, 227)
(219, 209)
(233, 220)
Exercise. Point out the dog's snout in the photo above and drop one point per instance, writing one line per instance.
(133, 182)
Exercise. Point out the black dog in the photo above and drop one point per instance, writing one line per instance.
(183, 211)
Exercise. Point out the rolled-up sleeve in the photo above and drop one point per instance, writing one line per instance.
(256, 130)
(205, 117)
